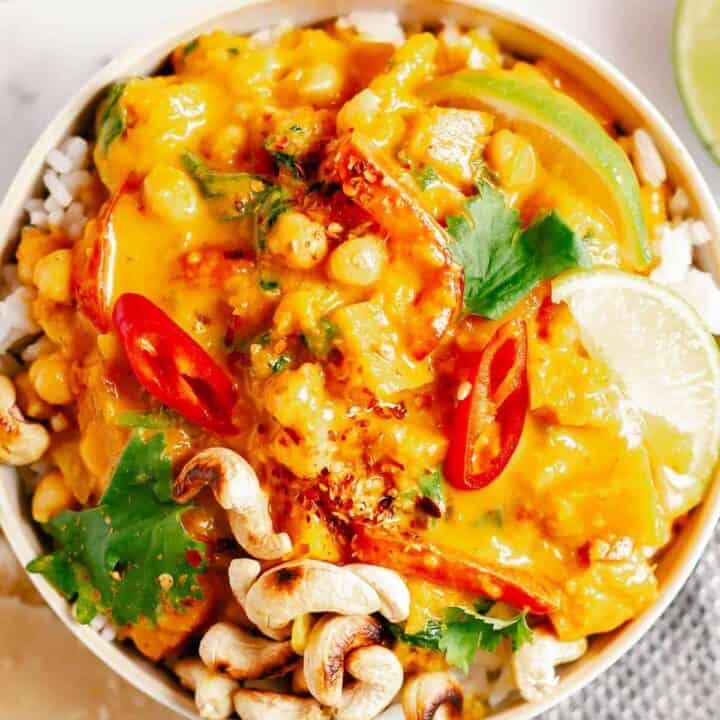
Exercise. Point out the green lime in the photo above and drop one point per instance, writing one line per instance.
(668, 366)
(696, 55)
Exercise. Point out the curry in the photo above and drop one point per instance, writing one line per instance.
(335, 257)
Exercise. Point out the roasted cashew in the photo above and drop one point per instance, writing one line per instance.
(21, 442)
(213, 691)
(432, 696)
(390, 587)
(332, 638)
(228, 649)
(379, 677)
(287, 591)
(242, 573)
(264, 705)
(237, 490)
(533, 665)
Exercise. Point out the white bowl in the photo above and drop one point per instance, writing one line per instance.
(523, 35)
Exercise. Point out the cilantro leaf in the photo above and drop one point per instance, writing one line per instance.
(190, 47)
(427, 638)
(503, 263)
(286, 160)
(426, 177)
(279, 363)
(431, 486)
(320, 340)
(112, 122)
(112, 557)
(267, 285)
(156, 420)
(462, 632)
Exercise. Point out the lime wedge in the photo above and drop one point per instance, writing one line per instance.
(697, 66)
(667, 366)
(567, 137)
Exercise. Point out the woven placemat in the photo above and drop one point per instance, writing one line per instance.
(673, 673)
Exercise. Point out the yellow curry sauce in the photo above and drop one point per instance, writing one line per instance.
(337, 415)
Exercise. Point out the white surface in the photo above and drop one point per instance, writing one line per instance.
(49, 47)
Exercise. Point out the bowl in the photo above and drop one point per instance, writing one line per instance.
(524, 36)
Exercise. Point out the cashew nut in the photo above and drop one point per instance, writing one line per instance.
(213, 691)
(533, 665)
(379, 677)
(21, 442)
(237, 490)
(242, 573)
(263, 705)
(306, 586)
(432, 696)
(331, 639)
(226, 648)
(390, 587)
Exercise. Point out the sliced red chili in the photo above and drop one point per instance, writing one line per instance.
(488, 421)
(172, 366)
(450, 568)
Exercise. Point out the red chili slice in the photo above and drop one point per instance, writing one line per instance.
(450, 568)
(488, 422)
(172, 366)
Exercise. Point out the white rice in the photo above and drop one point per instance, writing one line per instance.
(374, 25)
(648, 161)
(65, 178)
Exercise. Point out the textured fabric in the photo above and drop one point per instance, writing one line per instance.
(673, 673)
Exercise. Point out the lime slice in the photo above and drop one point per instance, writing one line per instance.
(697, 66)
(567, 136)
(667, 366)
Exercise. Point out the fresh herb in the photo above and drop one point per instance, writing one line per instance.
(192, 46)
(463, 632)
(279, 363)
(428, 638)
(233, 51)
(268, 285)
(112, 121)
(426, 177)
(491, 518)
(321, 339)
(431, 486)
(131, 554)
(266, 210)
(503, 263)
(158, 420)
(286, 160)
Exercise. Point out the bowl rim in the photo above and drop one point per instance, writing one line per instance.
(129, 664)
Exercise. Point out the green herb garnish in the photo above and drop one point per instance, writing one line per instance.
(279, 363)
(131, 554)
(431, 486)
(321, 339)
(503, 263)
(112, 121)
(268, 285)
(192, 46)
(158, 420)
(426, 177)
(463, 632)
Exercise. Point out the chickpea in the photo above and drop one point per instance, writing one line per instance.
(49, 375)
(29, 402)
(229, 144)
(358, 261)
(514, 159)
(300, 242)
(51, 497)
(170, 194)
(52, 275)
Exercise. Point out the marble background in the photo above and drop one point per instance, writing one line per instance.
(48, 48)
